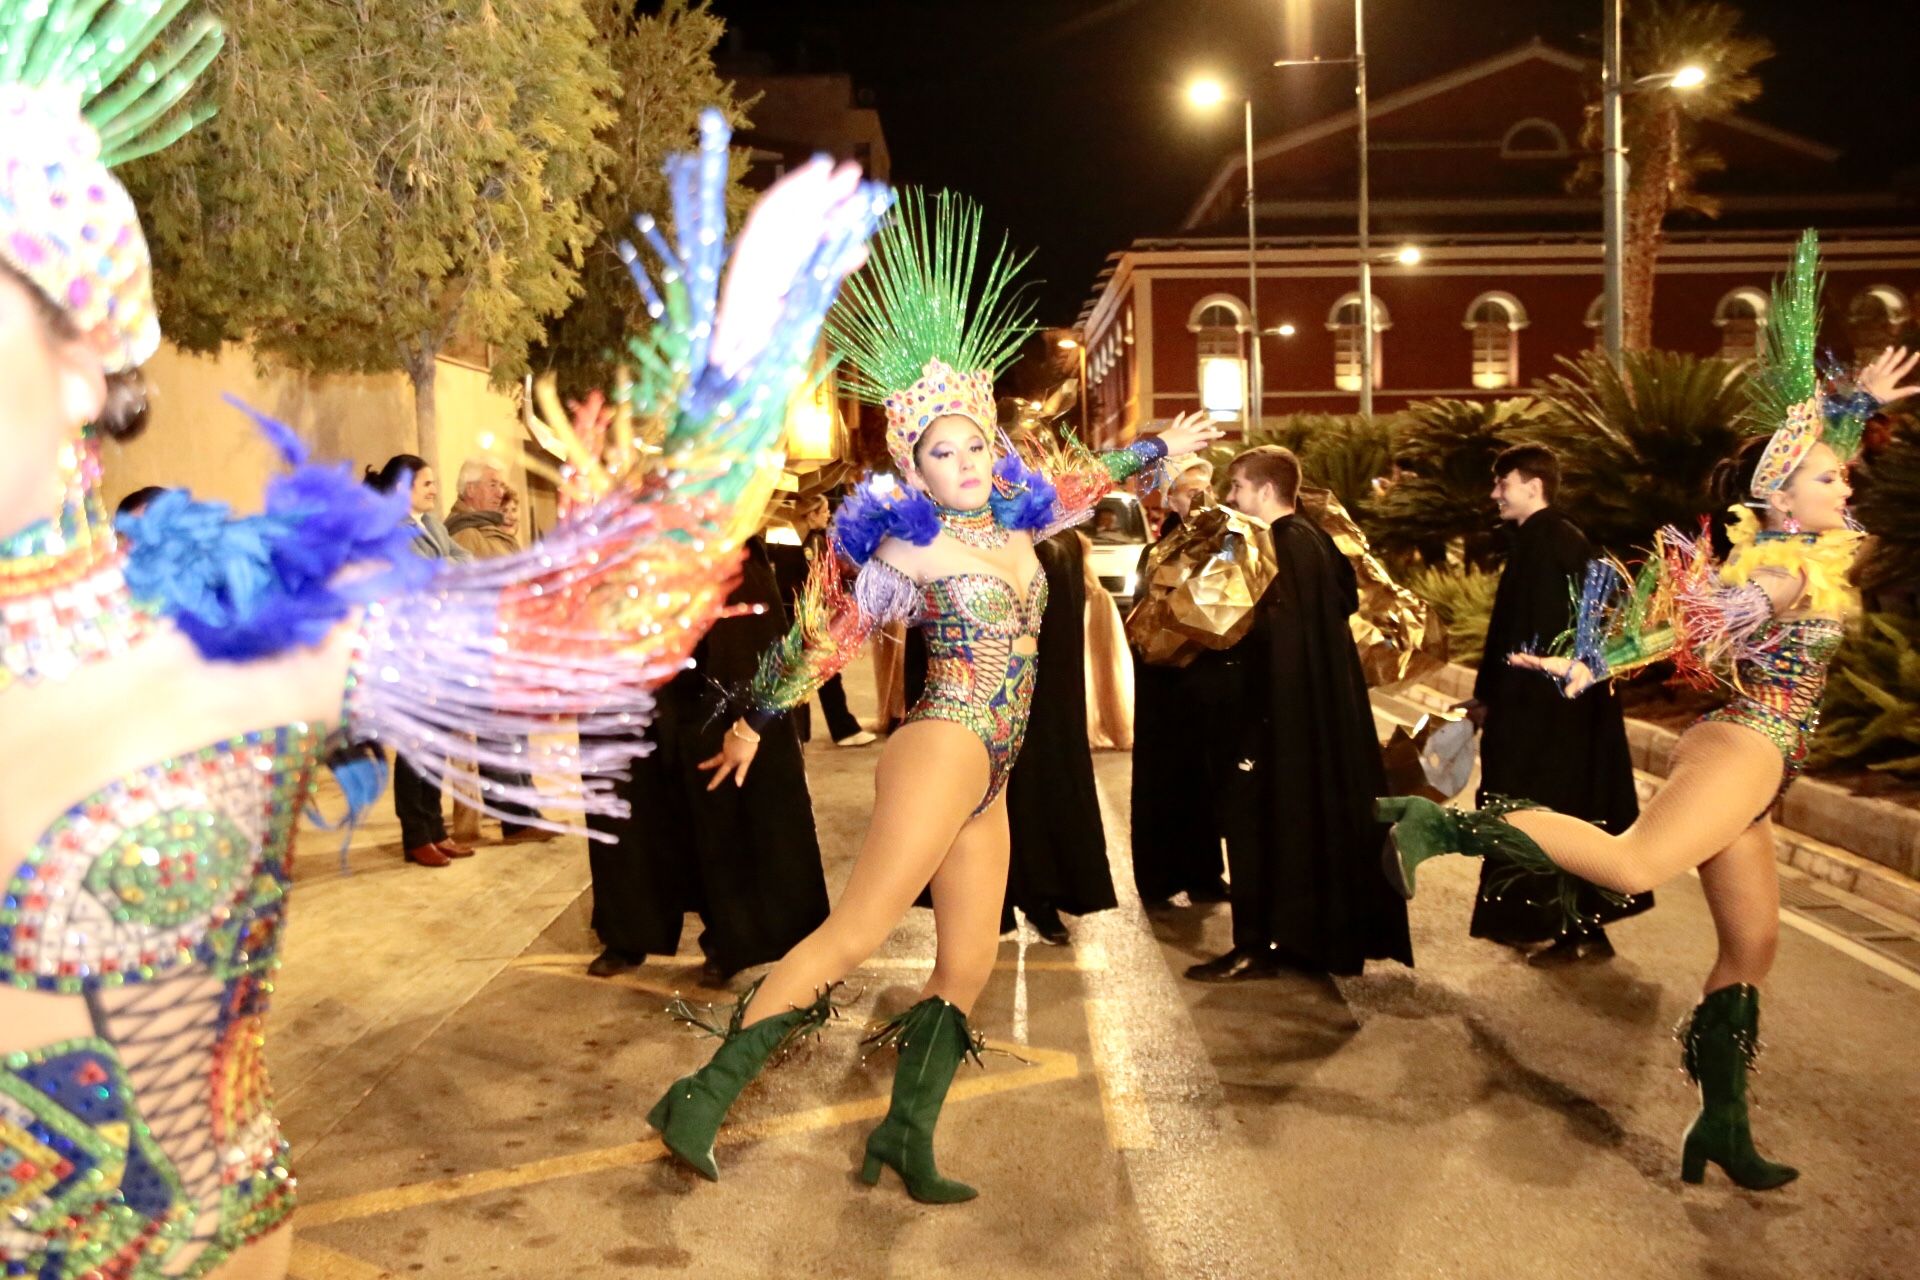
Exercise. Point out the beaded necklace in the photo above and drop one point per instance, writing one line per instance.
(976, 528)
(63, 601)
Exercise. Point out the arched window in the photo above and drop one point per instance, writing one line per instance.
(1740, 317)
(1495, 321)
(1874, 318)
(1217, 323)
(1534, 139)
(1596, 319)
(1345, 321)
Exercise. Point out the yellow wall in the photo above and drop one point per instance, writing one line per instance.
(195, 440)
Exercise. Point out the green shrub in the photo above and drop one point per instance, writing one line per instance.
(1872, 711)
(1888, 503)
(1637, 443)
(1463, 597)
(1446, 449)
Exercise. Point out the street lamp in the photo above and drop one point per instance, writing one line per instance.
(1613, 167)
(1080, 349)
(1207, 93)
(1359, 64)
(1409, 255)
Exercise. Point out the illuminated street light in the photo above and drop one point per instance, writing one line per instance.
(1066, 344)
(1206, 92)
(1286, 331)
(1409, 255)
(1689, 77)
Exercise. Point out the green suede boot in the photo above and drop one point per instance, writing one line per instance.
(1719, 1042)
(1423, 829)
(933, 1039)
(688, 1115)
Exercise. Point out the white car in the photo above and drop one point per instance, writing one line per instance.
(1119, 533)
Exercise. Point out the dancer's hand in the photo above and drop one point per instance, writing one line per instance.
(735, 757)
(1881, 378)
(1475, 709)
(1190, 433)
(1575, 677)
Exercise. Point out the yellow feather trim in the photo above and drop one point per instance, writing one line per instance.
(1824, 559)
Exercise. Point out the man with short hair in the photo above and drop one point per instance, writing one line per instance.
(1568, 754)
(1175, 832)
(477, 522)
(478, 525)
(1296, 799)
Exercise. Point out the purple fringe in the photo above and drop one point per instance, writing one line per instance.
(884, 594)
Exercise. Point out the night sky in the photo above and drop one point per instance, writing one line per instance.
(1064, 117)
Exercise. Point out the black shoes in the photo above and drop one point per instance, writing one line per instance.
(1047, 923)
(611, 962)
(1238, 966)
(1573, 948)
(1209, 893)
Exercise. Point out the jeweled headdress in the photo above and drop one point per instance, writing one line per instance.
(1790, 398)
(913, 336)
(83, 88)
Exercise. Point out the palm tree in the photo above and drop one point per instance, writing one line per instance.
(1661, 127)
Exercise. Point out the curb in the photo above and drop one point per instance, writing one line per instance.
(1864, 846)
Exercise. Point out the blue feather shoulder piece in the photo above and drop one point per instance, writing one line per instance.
(1023, 498)
(880, 507)
(246, 587)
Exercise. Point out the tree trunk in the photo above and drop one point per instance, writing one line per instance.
(1649, 191)
(421, 367)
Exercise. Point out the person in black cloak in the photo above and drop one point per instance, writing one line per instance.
(1176, 836)
(1057, 853)
(1303, 848)
(1569, 754)
(744, 856)
(791, 564)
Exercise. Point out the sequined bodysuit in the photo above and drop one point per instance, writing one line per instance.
(981, 654)
(159, 900)
(1781, 680)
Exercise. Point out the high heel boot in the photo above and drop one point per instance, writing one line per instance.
(1422, 829)
(1718, 1044)
(933, 1039)
(688, 1115)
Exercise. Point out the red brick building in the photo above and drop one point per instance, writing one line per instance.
(1473, 168)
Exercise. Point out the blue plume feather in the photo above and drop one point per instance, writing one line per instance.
(879, 508)
(1023, 498)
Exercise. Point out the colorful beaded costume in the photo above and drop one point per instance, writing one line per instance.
(1712, 619)
(915, 345)
(148, 1148)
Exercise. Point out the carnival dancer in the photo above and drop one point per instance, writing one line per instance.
(951, 550)
(162, 709)
(1766, 621)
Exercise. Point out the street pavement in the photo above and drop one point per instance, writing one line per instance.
(464, 1101)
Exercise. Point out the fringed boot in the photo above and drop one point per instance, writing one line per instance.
(933, 1039)
(688, 1115)
(1719, 1042)
(1423, 829)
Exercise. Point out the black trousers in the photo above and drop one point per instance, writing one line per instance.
(833, 701)
(506, 777)
(416, 802)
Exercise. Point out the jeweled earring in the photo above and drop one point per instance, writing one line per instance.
(1792, 525)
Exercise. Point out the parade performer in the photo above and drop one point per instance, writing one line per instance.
(951, 551)
(1765, 621)
(163, 703)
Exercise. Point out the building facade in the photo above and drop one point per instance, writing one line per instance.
(1474, 169)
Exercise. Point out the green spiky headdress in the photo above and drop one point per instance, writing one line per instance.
(84, 86)
(1788, 397)
(914, 336)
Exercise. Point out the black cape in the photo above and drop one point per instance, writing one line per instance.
(1567, 754)
(1303, 850)
(745, 858)
(1059, 850)
(1176, 835)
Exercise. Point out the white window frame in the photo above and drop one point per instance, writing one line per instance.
(1740, 335)
(1212, 350)
(1559, 151)
(1496, 344)
(1897, 309)
(1346, 342)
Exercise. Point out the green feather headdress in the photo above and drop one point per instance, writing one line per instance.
(105, 52)
(1788, 397)
(913, 329)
